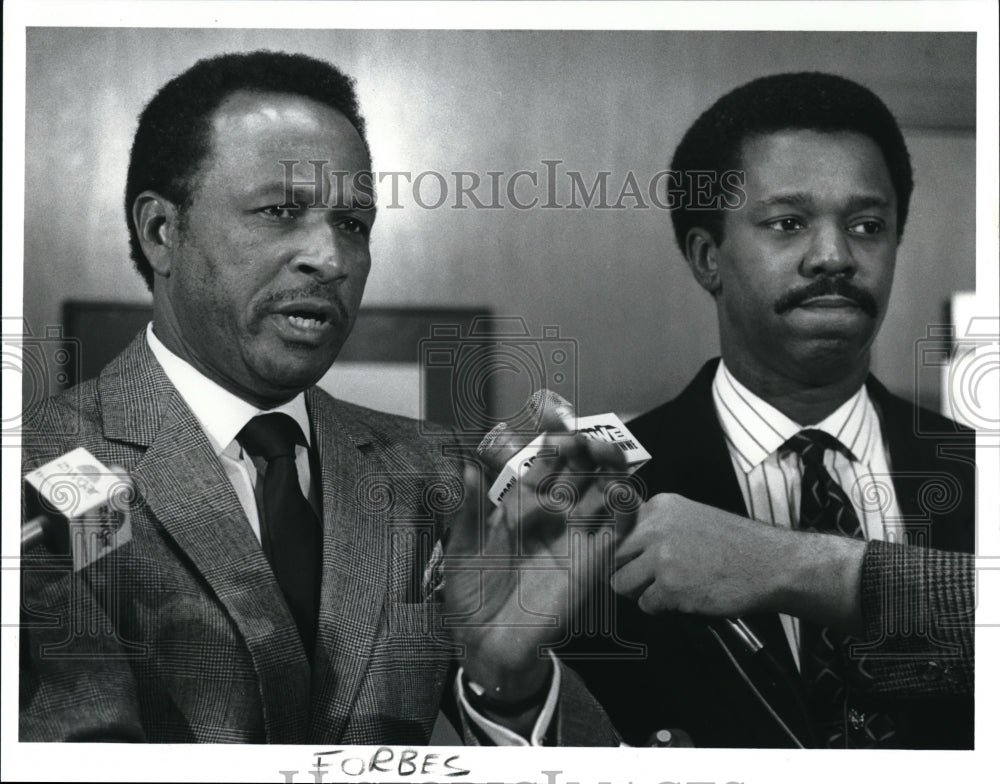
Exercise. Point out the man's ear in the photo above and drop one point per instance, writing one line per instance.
(156, 221)
(701, 252)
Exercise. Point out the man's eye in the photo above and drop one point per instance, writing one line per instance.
(282, 212)
(786, 224)
(870, 226)
(354, 226)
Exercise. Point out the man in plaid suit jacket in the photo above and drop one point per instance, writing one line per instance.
(183, 633)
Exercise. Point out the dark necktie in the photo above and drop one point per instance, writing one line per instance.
(290, 532)
(826, 663)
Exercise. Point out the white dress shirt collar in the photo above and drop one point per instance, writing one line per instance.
(220, 413)
(756, 429)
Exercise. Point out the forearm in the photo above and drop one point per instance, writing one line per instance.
(693, 558)
(915, 604)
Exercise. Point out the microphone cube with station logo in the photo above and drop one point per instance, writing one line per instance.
(607, 428)
(78, 506)
(610, 429)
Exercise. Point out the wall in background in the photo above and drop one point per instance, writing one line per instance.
(446, 101)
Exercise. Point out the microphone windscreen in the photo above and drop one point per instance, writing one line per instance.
(551, 407)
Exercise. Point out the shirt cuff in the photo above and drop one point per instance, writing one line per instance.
(502, 736)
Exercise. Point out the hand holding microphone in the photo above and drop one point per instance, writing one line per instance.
(603, 437)
(653, 564)
(519, 563)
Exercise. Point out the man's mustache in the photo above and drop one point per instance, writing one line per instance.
(826, 286)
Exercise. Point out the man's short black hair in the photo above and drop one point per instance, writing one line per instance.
(807, 101)
(174, 131)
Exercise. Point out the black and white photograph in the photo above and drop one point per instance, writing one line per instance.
(500, 392)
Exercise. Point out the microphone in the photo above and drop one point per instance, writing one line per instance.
(500, 450)
(77, 506)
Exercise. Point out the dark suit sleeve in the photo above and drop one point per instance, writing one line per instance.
(917, 605)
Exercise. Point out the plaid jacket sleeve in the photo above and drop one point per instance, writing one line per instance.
(918, 611)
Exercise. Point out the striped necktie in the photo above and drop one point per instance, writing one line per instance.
(828, 669)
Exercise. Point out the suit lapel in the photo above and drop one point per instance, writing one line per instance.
(933, 472)
(355, 566)
(702, 470)
(690, 457)
(189, 495)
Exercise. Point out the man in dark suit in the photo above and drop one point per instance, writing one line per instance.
(796, 242)
(283, 579)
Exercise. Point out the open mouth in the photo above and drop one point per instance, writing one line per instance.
(303, 320)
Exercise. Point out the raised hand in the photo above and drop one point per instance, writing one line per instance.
(515, 573)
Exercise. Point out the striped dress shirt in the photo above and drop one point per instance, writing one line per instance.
(771, 481)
